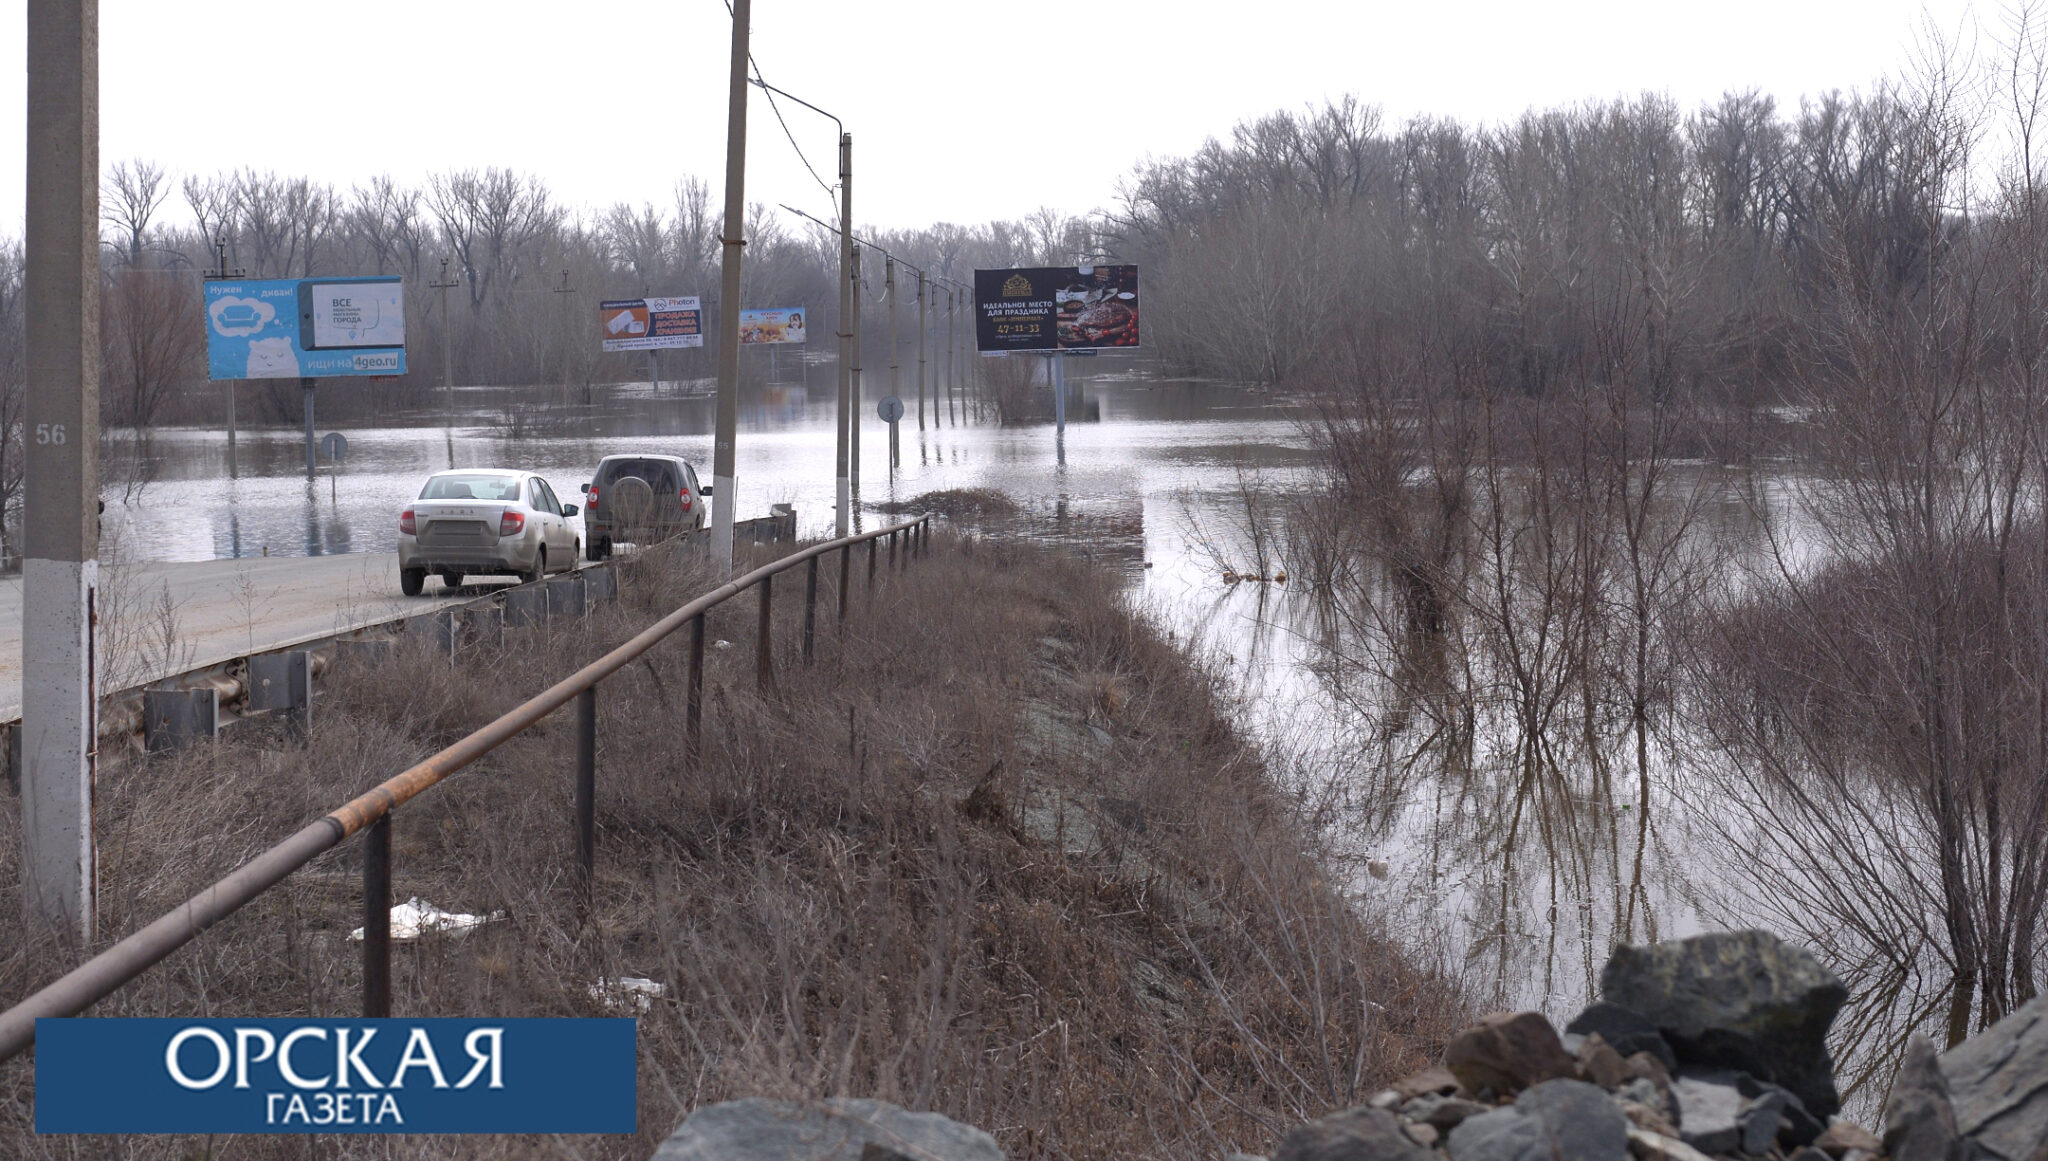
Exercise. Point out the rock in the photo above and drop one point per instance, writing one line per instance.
(1808, 1153)
(1653, 1146)
(1648, 1119)
(1558, 1120)
(1384, 1099)
(831, 1130)
(874, 1151)
(1800, 1127)
(1421, 1134)
(1360, 1134)
(1449, 1112)
(1737, 999)
(1502, 1134)
(1626, 1031)
(1647, 1094)
(1760, 1123)
(1580, 1122)
(1507, 1053)
(1601, 1064)
(1919, 1121)
(1998, 1083)
(1708, 1114)
(1842, 1136)
(1429, 1080)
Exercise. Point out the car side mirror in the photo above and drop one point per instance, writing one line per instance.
(704, 490)
(569, 509)
(586, 489)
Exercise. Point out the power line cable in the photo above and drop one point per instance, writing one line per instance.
(763, 85)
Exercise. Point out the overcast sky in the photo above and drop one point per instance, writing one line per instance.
(960, 110)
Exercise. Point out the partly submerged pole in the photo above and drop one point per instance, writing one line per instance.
(724, 455)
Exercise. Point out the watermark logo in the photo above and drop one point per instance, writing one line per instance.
(335, 1076)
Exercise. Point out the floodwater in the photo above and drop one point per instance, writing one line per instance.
(1165, 481)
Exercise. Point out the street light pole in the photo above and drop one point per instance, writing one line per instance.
(853, 412)
(724, 453)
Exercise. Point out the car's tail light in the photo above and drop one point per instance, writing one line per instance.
(405, 523)
(592, 506)
(510, 524)
(686, 499)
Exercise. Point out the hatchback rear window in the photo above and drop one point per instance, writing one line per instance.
(471, 486)
(659, 474)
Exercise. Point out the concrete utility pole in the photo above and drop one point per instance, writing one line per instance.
(952, 354)
(60, 565)
(444, 284)
(889, 288)
(853, 413)
(849, 303)
(923, 313)
(724, 455)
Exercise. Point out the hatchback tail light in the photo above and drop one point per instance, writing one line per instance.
(686, 499)
(406, 524)
(510, 524)
(592, 506)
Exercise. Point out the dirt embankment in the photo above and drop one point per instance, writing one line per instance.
(997, 853)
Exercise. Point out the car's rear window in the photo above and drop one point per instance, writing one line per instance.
(659, 474)
(471, 486)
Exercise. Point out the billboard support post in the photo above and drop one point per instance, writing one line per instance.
(1059, 394)
(724, 453)
(307, 386)
(654, 368)
(60, 558)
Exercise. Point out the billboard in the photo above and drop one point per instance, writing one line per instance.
(292, 328)
(1056, 308)
(650, 324)
(778, 325)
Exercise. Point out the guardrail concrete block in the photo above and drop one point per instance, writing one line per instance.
(173, 719)
(568, 596)
(601, 583)
(526, 605)
(483, 627)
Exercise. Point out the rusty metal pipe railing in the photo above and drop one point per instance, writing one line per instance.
(101, 975)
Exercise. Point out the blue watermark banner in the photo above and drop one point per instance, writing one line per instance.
(335, 1076)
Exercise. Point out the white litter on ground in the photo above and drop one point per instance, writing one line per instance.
(412, 919)
(627, 993)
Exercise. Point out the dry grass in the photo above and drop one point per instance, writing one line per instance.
(997, 854)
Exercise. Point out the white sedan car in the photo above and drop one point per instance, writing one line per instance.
(484, 522)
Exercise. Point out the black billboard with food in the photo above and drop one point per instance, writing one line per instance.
(1056, 308)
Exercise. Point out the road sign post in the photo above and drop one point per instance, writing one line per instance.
(60, 558)
(891, 409)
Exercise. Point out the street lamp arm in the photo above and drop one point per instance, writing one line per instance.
(759, 83)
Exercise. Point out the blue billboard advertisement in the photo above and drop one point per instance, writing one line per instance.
(293, 328)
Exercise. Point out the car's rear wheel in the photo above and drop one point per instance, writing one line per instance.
(540, 568)
(412, 581)
(452, 579)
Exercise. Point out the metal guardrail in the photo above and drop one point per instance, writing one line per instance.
(106, 972)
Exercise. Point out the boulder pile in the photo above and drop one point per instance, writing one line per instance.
(1711, 1047)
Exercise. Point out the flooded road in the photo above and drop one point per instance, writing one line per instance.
(1173, 484)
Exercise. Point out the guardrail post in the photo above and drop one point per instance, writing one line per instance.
(377, 918)
(283, 681)
(764, 653)
(892, 552)
(872, 552)
(810, 607)
(586, 783)
(845, 576)
(695, 714)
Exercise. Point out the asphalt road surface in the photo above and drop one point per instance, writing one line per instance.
(222, 609)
